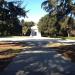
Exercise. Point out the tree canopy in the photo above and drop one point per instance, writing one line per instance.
(26, 28)
(9, 13)
(61, 8)
(47, 26)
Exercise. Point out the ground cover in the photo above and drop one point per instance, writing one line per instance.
(64, 38)
(71, 38)
(55, 44)
(66, 50)
(10, 49)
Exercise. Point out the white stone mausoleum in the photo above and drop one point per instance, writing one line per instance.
(35, 32)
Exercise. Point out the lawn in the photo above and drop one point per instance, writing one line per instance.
(71, 38)
(55, 45)
(66, 50)
(15, 36)
(64, 38)
(9, 49)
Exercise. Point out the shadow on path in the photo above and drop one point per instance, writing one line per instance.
(44, 63)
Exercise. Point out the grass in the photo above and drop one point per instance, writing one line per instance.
(71, 38)
(55, 44)
(67, 51)
(2, 57)
(6, 46)
(8, 50)
(64, 38)
(15, 36)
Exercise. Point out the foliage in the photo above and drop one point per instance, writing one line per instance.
(47, 26)
(26, 28)
(9, 13)
(67, 25)
(61, 8)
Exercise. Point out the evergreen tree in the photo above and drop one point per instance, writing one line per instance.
(9, 13)
(61, 8)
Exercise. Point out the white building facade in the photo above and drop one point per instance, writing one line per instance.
(35, 32)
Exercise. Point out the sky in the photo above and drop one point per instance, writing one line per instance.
(35, 10)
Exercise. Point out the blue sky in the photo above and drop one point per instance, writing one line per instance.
(35, 11)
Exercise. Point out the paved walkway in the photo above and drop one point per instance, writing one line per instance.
(52, 40)
(39, 61)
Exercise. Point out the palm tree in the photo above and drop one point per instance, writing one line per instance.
(61, 8)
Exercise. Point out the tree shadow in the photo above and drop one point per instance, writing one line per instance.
(40, 64)
(47, 62)
(4, 64)
(68, 51)
(34, 43)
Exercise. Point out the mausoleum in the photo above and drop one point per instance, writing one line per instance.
(35, 31)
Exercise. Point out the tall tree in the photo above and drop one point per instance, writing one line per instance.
(9, 12)
(61, 8)
(47, 26)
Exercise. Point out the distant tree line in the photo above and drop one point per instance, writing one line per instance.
(9, 14)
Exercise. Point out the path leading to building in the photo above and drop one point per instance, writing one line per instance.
(52, 40)
(39, 61)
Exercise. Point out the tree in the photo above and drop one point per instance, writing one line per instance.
(67, 25)
(26, 28)
(61, 8)
(46, 25)
(9, 13)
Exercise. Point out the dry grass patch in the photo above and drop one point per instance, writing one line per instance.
(9, 49)
(68, 51)
(4, 46)
(3, 57)
(55, 44)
